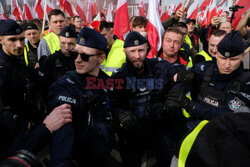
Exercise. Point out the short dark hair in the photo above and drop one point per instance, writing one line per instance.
(181, 25)
(172, 29)
(105, 24)
(219, 33)
(225, 22)
(139, 20)
(55, 12)
(78, 17)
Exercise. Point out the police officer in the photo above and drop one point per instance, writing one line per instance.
(220, 86)
(139, 103)
(88, 139)
(57, 64)
(17, 109)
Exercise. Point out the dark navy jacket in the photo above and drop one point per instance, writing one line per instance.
(73, 136)
(234, 102)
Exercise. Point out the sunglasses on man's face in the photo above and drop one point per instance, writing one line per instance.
(84, 57)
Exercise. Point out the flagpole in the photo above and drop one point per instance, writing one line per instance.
(44, 16)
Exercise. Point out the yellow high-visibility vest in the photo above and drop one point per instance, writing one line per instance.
(116, 58)
(53, 42)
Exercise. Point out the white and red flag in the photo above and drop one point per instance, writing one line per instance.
(79, 10)
(204, 5)
(50, 6)
(193, 10)
(164, 13)
(3, 16)
(15, 11)
(121, 23)
(154, 28)
(27, 10)
(67, 7)
(94, 9)
(39, 11)
(142, 11)
(212, 11)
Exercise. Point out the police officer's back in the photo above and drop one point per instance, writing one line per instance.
(87, 139)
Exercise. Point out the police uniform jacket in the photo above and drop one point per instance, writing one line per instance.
(221, 93)
(74, 135)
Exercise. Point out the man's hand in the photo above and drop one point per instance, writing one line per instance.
(179, 14)
(185, 76)
(128, 121)
(60, 116)
(215, 21)
(176, 99)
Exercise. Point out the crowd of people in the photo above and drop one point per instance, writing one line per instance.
(82, 92)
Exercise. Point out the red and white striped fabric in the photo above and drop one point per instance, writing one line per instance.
(121, 22)
(15, 11)
(39, 11)
(193, 10)
(50, 6)
(142, 8)
(79, 10)
(94, 9)
(212, 11)
(89, 12)
(3, 16)
(154, 28)
(164, 13)
(178, 7)
(67, 7)
(27, 11)
(204, 5)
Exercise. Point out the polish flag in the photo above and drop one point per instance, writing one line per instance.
(15, 10)
(94, 10)
(204, 5)
(178, 7)
(50, 6)
(3, 16)
(109, 17)
(39, 9)
(89, 12)
(212, 11)
(27, 10)
(154, 28)
(164, 14)
(79, 10)
(142, 8)
(204, 20)
(121, 23)
(193, 10)
(238, 15)
(67, 7)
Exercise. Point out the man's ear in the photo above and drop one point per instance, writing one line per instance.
(101, 58)
(1, 39)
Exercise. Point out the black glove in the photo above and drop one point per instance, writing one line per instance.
(128, 121)
(185, 76)
(176, 99)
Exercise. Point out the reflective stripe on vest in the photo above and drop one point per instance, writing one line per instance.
(116, 58)
(205, 55)
(26, 50)
(188, 143)
(53, 42)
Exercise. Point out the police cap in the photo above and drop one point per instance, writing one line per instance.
(30, 26)
(134, 39)
(231, 45)
(91, 38)
(10, 27)
(189, 20)
(68, 32)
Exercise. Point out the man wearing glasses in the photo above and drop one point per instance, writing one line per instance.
(88, 137)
